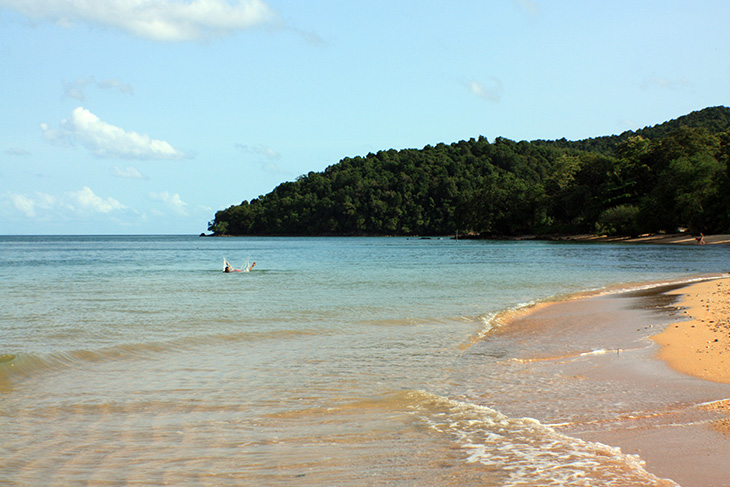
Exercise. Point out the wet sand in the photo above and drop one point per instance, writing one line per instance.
(653, 368)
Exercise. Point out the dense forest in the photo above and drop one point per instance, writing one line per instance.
(661, 178)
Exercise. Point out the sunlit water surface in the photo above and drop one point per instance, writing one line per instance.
(336, 361)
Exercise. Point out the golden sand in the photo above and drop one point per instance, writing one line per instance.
(663, 239)
(701, 346)
(721, 425)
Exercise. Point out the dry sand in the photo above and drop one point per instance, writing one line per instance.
(701, 346)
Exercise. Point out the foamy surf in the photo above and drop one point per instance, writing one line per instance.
(527, 452)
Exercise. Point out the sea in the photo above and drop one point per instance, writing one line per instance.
(134, 360)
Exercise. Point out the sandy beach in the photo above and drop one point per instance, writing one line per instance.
(701, 345)
(661, 381)
(659, 239)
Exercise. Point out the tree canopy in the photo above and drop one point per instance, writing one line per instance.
(658, 178)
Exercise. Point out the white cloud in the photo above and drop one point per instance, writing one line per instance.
(493, 92)
(128, 172)
(73, 203)
(23, 204)
(86, 201)
(172, 201)
(160, 20)
(77, 89)
(106, 140)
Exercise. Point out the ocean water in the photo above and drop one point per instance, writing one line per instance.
(134, 360)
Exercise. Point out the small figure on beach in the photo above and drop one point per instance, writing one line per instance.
(701, 239)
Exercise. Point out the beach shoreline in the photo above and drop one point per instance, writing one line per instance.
(635, 343)
(658, 239)
(700, 346)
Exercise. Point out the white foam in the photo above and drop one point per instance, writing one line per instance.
(525, 451)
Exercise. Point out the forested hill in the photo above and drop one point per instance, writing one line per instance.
(716, 119)
(658, 178)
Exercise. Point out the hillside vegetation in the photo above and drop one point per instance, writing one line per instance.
(655, 179)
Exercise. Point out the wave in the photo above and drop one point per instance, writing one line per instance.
(17, 366)
(515, 451)
(525, 451)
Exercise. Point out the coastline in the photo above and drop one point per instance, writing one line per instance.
(673, 411)
(659, 239)
(700, 346)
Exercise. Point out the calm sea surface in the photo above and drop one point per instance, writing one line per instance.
(336, 361)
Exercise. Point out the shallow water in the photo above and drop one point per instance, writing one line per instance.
(336, 361)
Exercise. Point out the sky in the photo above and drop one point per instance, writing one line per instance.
(148, 116)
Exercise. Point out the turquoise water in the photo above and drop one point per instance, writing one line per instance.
(136, 360)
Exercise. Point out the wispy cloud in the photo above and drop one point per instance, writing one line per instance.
(172, 201)
(531, 7)
(490, 92)
(106, 140)
(260, 150)
(310, 37)
(77, 89)
(78, 203)
(665, 83)
(128, 172)
(15, 151)
(265, 156)
(159, 20)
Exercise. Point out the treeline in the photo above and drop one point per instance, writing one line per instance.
(669, 176)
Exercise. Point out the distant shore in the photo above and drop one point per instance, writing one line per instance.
(660, 238)
(654, 238)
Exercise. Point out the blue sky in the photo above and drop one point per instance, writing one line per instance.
(147, 116)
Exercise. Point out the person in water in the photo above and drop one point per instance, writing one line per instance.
(229, 268)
